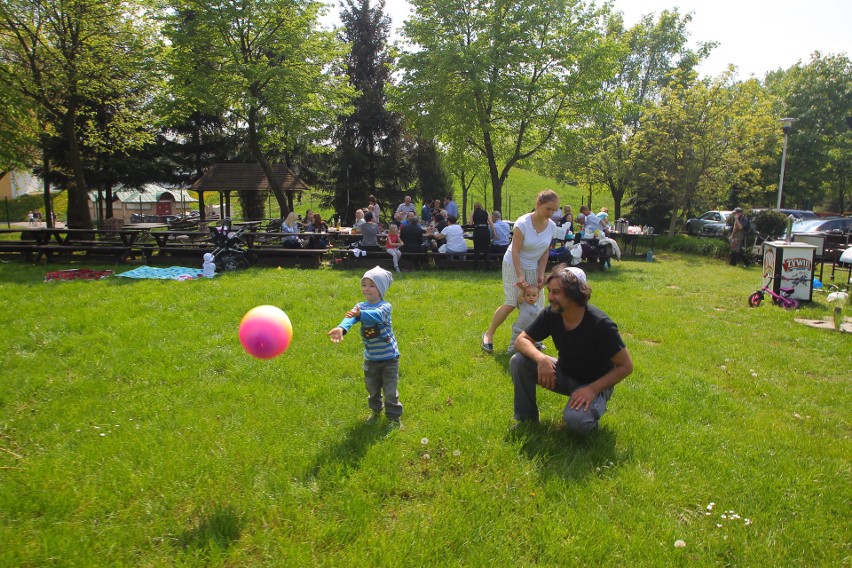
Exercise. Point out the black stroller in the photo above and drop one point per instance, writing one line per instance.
(230, 253)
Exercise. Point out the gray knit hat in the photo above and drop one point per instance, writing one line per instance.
(381, 278)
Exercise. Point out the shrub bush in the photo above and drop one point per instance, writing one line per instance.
(717, 248)
(771, 224)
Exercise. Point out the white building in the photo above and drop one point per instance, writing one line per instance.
(151, 199)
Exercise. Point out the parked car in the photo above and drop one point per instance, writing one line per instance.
(694, 226)
(715, 229)
(835, 226)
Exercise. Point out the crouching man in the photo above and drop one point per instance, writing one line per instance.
(592, 356)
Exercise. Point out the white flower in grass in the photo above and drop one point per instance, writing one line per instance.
(710, 506)
(679, 544)
(718, 525)
(747, 522)
(426, 457)
(457, 453)
(723, 367)
(424, 441)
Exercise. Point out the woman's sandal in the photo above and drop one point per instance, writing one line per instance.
(487, 347)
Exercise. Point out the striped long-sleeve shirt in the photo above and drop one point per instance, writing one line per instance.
(376, 331)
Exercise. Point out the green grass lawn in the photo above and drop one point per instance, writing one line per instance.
(135, 431)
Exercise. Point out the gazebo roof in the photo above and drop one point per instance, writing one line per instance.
(246, 177)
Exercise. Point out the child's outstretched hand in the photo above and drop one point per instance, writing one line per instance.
(354, 312)
(336, 335)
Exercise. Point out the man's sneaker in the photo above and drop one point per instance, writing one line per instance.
(394, 424)
(541, 346)
(374, 418)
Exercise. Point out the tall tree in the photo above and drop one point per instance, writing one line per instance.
(373, 155)
(648, 54)
(513, 73)
(819, 154)
(58, 57)
(702, 138)
(267, 63)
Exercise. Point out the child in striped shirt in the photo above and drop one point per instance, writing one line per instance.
(381, 354)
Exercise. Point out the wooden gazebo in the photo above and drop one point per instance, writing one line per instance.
(225, 178)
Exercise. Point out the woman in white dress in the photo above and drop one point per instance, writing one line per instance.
(526, 259)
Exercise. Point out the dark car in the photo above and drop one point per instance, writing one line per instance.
(694, 226)
(720, 230)
(836, 226)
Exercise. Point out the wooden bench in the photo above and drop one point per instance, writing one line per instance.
(27, 249)
(117, 251)
(343, 258)
(312, 258)
(457, 261)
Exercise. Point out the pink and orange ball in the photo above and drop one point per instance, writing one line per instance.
(265, 332)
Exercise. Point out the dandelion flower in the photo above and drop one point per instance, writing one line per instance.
(426, 456)
(679, 544)
(456, 453)
(424, 441)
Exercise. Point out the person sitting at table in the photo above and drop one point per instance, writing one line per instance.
(393, 244)
(406, 206)
(319, 226)
(411, 234)
(591, 223)
(567, 219)
(603, 215)
(500, 234)
(370, 232)
(453, 237)
(436, 209)
(308, 222)
(426, 212)
(482, 229)
(439, 221)
(359, 219)
(290, 225)
(398, 219)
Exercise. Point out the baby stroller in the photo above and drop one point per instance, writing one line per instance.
(230, 253)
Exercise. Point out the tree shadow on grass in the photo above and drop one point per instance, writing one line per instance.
(213, 531)
(560, 453)
(340, 459)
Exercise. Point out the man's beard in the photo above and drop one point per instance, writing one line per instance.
(555, 308)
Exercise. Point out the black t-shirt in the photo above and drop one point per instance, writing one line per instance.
(585, 352)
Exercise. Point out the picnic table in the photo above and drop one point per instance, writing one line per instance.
(630, 241)
(38, 242)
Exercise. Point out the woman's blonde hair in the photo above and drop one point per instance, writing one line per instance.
(546, 196)
(290, 221)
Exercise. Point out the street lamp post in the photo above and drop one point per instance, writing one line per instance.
(787, 127)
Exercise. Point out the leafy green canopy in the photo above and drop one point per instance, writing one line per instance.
(502, 77)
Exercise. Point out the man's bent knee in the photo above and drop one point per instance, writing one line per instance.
(579, 421)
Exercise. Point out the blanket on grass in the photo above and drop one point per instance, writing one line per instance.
(170, 273)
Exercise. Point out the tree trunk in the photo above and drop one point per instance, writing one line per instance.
(48, 203)
(254, 147)
(78, 194)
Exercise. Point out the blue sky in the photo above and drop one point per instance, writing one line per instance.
(755, 35)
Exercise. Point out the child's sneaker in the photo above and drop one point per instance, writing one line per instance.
(373, 419)
(394, 424)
